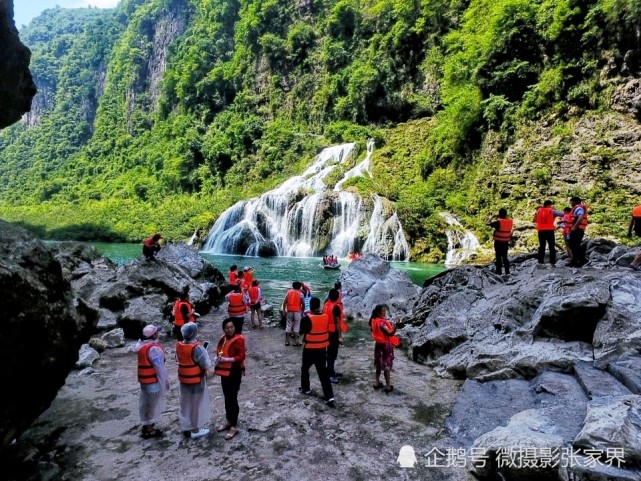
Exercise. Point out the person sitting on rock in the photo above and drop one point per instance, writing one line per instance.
(151, 247)
(153, 379)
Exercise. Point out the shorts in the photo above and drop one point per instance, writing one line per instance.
(384, 356)
(255, 307)
(292, 321)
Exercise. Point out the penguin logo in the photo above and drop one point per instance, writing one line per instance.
(406, 457)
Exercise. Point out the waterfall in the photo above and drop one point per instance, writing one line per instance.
(461, 243)
(302, 217)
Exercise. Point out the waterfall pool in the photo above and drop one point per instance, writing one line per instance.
(276, 274)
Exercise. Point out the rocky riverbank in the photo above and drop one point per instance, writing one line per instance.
(535, 376)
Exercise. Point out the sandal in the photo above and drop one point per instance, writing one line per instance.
(391, 388)
(232, 432)
(154, 433)
(377, 386)
(223, 427)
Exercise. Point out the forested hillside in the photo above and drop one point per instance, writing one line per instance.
(161, 113)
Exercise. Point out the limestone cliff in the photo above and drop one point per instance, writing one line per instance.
(16, 85)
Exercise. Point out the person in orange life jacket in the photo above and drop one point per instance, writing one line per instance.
(194, 409)
(233, 275)
(315, 329)
(339, 287)
(237, 307)
(383, 334)
(153, 379)
(502, 234)
(230, 366)
(579, 221)
(183, 312)
(544, 220)
(635, 223)
(255, 295)
(334, 311)
(565, 225)
(248, 278)
(293, 306)
(151, 247)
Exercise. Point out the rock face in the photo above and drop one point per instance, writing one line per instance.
(142, 292)
(370, 281)
(551, 359)
(16, 85)
(42, 330)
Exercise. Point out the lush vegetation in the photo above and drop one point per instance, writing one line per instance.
(253, 88)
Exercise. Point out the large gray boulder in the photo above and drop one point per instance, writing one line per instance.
(369, 281)
(141, 292)
(42, 330)
(16, 84)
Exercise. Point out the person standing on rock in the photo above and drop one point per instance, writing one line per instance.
(502, 234)
(293, 306)
(183, 313)
(635, 224)
(151, 247)
(230, 366)
(248, 278)
(544, 220)
(383, 334)
(255, 299)
(233, 276)
(579, 222)
(315, 329)
(193, 364)
(334, 311)
(237, 307)
(153, 379)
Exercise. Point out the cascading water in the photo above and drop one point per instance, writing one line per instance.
(461, 243)
(303, 218)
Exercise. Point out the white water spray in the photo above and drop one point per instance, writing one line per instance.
(302, 218)
(461, 243)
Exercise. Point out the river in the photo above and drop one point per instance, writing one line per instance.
(276, 274)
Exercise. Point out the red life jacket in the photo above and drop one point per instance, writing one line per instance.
(584, 220)
(224, 368)
(378, 334)
(149, 242)
(146, 371)
(236, 307)
(233, 277)
(545, 218)
(254, 292)
(318, 337)
(504, 232)
(188, 371)
(636, 212)
(328, 310)
(293, 302)
(178, 317)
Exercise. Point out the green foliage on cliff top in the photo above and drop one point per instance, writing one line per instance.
(254, 88)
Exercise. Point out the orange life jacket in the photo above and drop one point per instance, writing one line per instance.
(233, 277)
(149, 242)
(318, 337)
(378, 334)
(545, 218)
(178, 317)
(224, 368)
(236, 307)
(188, 371)
(254, 292)
(146, 371)
(292, 300)
(636, 212)
(584, 220)
(567, 223)
(504, 232)
(328, 310)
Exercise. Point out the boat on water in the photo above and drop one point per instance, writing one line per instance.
(334, 267)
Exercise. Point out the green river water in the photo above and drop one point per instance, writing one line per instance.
(277, 273)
